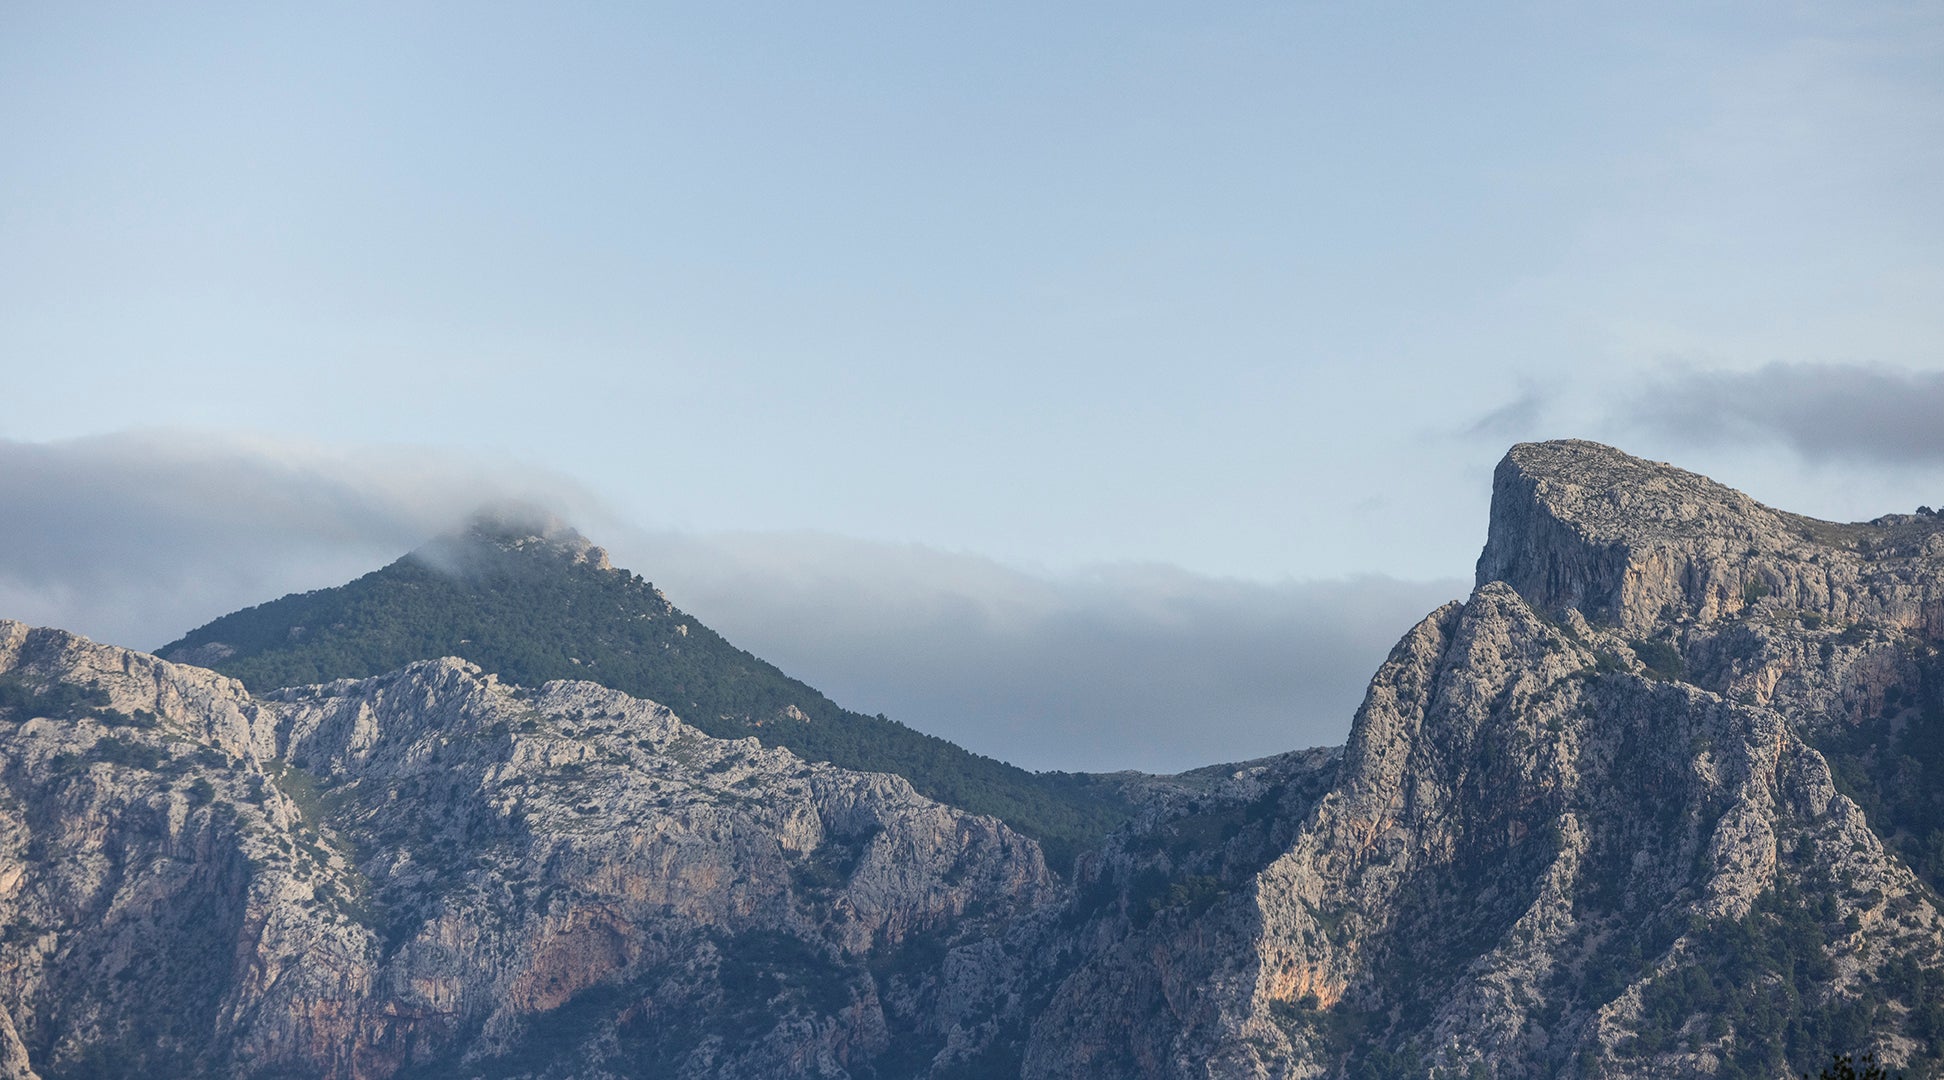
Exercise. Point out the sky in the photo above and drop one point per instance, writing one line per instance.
(1100, 385)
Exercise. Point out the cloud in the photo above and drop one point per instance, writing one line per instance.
(1850, 412)
(1131, 666)
(1516, 419)
(135, 538)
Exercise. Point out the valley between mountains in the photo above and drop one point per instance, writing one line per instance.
(1664, 797)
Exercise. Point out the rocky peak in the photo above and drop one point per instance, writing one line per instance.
(1635, 544)
(1610, 495)
(496, 532)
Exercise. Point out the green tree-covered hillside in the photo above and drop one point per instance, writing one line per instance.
(532, 608)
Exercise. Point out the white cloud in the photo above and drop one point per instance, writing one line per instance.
(135, 538)
(1132, 666)
(1852, 412)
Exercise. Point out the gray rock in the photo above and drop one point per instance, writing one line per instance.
(424, 869)
(1532, 834)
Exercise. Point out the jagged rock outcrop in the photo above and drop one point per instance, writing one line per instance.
(1641, 545)
(433, 873)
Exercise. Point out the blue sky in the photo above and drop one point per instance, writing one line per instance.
(1252, 293)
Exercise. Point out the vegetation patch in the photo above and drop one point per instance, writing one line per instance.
(1757, 990)
(63, 701)
(128, 753)
(1892, 766)
(1661, 658)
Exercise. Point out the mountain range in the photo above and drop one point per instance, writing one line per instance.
(1663, 797)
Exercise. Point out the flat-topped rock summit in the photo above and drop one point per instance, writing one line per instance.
(1636, 543)
(513, 531)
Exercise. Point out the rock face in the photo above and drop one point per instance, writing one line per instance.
(1640, 545)
(1606, 818)
(432, 873)
(1520, 859)
(1579, 829)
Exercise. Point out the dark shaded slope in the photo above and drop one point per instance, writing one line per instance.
(530, 609)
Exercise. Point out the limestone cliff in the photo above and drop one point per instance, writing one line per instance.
(1579, 828)
(1641, 545)
(430, 872)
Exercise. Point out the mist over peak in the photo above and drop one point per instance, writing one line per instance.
(134, 538)
(508, 528)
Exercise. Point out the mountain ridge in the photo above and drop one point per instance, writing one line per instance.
(1658, 798)
(532, 600)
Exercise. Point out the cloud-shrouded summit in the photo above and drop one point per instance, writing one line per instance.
(136, 538)
(133, 537)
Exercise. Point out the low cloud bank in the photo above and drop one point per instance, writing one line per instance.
(136, 538)
(1146, 667)
(1854, 412)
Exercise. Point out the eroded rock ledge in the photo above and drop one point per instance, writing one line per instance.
(1638, 544)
